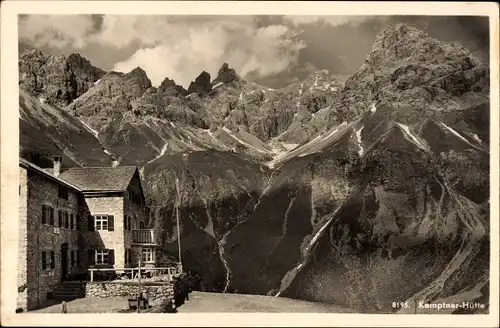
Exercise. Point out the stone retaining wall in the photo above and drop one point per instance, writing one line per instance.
(156, 291)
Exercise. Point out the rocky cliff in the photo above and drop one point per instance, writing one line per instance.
(357, 193)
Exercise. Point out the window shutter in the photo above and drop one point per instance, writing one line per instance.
(111, 223)
(66, 220)
(52, 260)
(44, 260)
(51, 216)
(91, 256)
(111, 256)
(91, 223)
(44, 214)
(59, 213)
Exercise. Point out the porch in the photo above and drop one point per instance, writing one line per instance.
(166, 274)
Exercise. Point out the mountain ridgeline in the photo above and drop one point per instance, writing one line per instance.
(357, 193)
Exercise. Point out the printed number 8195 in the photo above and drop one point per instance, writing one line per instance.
(400, 305)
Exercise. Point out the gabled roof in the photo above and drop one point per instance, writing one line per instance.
(100, 179)
(47, 174)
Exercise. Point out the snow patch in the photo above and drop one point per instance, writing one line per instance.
(190, 95)
(241, 141)
(300, 91)
(477, 138)
(334, 89)
(360, 143)
(172, 124)
(241, 96)
(217, 85)
(94, 132)
(289, 146)
(97, 81)
(373, 109)
(42, 100)
(107, 152)
(455, 132)
(406, 129)
(115, 163)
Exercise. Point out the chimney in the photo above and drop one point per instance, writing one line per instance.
(57, 165)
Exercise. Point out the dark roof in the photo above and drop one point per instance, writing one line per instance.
(100, 178)
(46, 173)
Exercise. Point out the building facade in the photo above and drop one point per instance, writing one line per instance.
(76, 219)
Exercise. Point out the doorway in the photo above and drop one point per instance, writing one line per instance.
(64, 261)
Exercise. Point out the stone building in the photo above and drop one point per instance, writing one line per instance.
(75, 219)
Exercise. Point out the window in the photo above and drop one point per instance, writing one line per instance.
(72, 221)
(66, 219)
(63, 219)
(52, 260)
(101, 222)
(128, 256)
(101, 256)
(47, 214)
(62, 192)
(44, 260)
(77, 257)
(147, 255)
(73, 258)
(48, 260)
(51, 217)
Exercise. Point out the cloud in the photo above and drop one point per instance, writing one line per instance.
(56, 31)
(181, 50)
(298, 20)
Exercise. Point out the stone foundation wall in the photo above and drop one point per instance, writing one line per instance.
(129, 289)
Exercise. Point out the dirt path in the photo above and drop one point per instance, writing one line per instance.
(216, 302)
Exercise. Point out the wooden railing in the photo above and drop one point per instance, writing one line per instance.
(133, 273)
(143, 236)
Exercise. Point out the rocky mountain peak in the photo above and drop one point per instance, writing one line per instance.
(56, 79)
(225, 75)
(169, 87)
(201, 84)
(83, 68)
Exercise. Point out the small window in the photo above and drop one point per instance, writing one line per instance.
(72, 221)
(128, 256)
(50, 296)
(44, 260)
(66, 219)
(73, 262)
(101, 256)
(62, 192)
(51, 217)
(48, 260)
(104, 222)
(52, 259)
(45, 214)
(60, 218)
(147, 255)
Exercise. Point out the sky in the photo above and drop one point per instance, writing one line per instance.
(270, 50)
